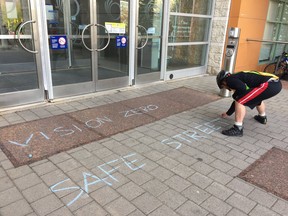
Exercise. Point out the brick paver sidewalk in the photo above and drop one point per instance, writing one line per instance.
(179, 165)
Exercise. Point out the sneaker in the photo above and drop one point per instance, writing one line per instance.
(234, 131)
(261, 119)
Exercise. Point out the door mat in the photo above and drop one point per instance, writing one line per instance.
(269, 172)
(32, 141)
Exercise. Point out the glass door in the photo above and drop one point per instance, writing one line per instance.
(68, 23)
(84, 45)
(149, 40)
(112, 62)
(20, 74)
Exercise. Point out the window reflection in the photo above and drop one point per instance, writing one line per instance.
(17, 66)
(188, 29)
(181, 57)
(191, 6)
(276, 29)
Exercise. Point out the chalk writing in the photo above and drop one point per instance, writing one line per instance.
(186, 136)
(67, 188)
(191, 135)
(90, 179)
(211, 126)
(98, 122)
(139, 111)
(26, 143)
(64, 131)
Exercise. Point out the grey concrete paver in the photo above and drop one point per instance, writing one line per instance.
(61, 212)
(19, 172)
(120, 206)
(105, 195)
(90, 209)
(220, 177)
(18, 208)
(9, 196)
(147, 203)
(5, 183)
(216, 206)
(219, 191)
(155, 187)
(27, 181)
(137, 213)
(36, 192)
(263, 198)
(163, 211)
(241, 202)
(173, 199)
(177, 183)
(281, 207)
(47, 205)
(200, 180)
(189, 208)
(196, 194)
(81, 202)
(44, 168)
(179, 176)
(130, 190)
(262, 211)
(240, 186)
(236, 212)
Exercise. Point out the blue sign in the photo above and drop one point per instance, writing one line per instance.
(121, 41)
(58, 42)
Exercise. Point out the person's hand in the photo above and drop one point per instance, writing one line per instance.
(224, 115)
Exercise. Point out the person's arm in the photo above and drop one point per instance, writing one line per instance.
(231, 110)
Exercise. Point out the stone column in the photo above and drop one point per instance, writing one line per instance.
(218, 35)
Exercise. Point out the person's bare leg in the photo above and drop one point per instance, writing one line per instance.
(261, 109)
(237, 129)
(240, 112)
(261, 117)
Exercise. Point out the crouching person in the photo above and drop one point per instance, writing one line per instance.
(250, 89)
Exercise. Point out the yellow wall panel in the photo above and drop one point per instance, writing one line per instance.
(250, 17)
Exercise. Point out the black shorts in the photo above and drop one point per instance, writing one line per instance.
(264, 91)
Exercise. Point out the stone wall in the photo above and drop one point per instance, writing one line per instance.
(218, 35)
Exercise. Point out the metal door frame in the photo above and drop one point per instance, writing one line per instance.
(33, 95)
(156, 76)
(68, 90)
(111, 83)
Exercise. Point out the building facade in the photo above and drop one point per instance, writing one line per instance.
(52, 49)
(264, 31)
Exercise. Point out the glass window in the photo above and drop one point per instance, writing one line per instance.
(191, 6)
(188, 29)
(181, 57)
(276, 29)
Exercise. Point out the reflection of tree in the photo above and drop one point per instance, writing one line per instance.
(149, 11)
(124, 14)
(10, 23)
(189, 29)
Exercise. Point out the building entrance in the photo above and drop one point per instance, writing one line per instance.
(60, 48)
(52, 49)
(92, 60)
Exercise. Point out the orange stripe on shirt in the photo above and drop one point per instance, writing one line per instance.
(254, 93)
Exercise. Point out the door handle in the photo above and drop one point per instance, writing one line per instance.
(146, 37)
(19, 39)
(97, 25)
(83, 37)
